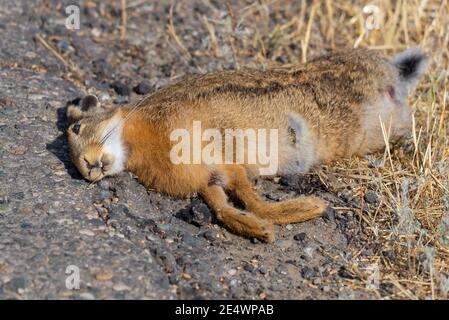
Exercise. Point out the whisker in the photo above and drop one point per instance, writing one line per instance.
(111, 131)
(94, 181)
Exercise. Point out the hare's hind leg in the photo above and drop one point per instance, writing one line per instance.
(240, 222)
(289, 211)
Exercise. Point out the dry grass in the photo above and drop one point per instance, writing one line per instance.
(408, 230)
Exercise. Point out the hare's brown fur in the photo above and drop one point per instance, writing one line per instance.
(327, 108)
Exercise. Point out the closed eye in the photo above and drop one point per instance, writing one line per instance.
(391, 93)
(76, 128)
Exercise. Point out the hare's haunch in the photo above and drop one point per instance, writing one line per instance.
(328, 108)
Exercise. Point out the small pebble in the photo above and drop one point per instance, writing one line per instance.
(96, 32)
(329, 214)
(189, 239)
(326, 288)
(121, 287)
(232, 272)
(300, 236)
(26, 226)
(254, 241)
(87, 232)
(283, 243)
(17, 284)
(377, 163)
(197, 214)
(344, 273)
(173, 278)
(248, 267)
(186, 276)
(105, 275)
(201, 215)
(64, 46)
(371, 197)
(120, 88)
(104, 97)
(143, 88)
(309, 251)
(306, 272)
(211, 235)
(263, 270)
(305, 257)
(104, 184)
(87, 296)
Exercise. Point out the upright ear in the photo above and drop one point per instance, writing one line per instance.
(411, 64)
(79, 108)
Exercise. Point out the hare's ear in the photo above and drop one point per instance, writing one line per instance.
(73, 113)
(79, 108)
(411, 64)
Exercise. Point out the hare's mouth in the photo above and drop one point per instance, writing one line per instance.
(96, 169)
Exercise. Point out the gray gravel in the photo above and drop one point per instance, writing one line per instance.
(127, 242)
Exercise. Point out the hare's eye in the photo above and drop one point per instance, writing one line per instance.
(391, 93)
(76, 128)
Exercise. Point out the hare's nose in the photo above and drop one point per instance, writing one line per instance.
(92, 164)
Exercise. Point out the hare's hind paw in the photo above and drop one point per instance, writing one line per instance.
(266, 232)
(247, 224)
(291, 211)
(241, 222)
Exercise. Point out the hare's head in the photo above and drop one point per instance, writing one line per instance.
(404, 72)
(94, 137)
